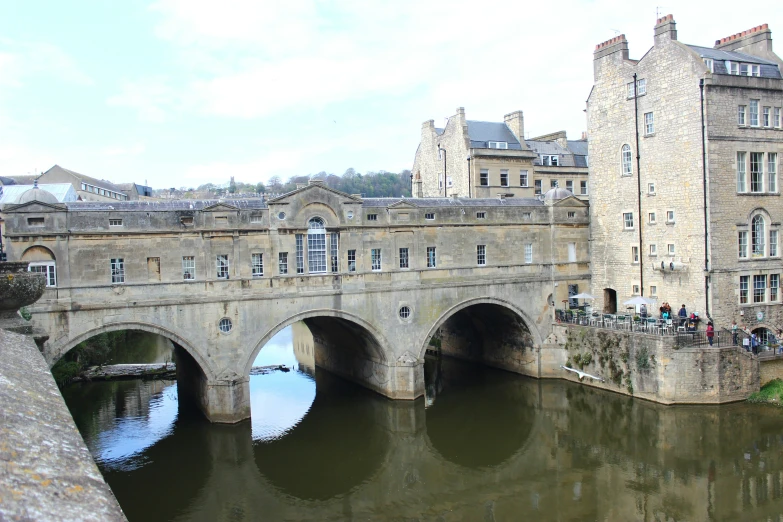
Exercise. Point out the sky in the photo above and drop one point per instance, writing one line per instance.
(177, 93)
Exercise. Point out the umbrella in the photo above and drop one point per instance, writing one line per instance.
(639, 300)
(583, 295)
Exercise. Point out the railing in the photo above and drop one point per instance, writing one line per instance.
(720, 339)
(648, 325)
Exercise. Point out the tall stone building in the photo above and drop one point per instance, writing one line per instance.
(481, 159)
(685, 145)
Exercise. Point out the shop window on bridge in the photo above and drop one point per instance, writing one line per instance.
(316, 246)
(352, 260)
(48, 268)
(334, 245)
(222, 266)
(257, 261)
(300, 253)
(118, 270)
(282, 263)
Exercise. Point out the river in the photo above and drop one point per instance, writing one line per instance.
(484, 445)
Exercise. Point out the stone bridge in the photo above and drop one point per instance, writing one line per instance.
(377, 281)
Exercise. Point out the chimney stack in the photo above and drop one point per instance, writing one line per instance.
(615, 49)
(756, 41)
(665, 29)
(516, 122)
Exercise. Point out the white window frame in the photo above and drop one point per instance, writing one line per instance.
(481, 255)
(670, 216)
(583, 188)
(653, 290)
(188, 268)
(300, 254)
(671, 250)
(758, 227)
(634, 254)
(376, 260)
(570, 185)
(429, 216)
(538, 186)
(484, 177)
(497, 145)
(504, 177)
(744, 287)
(115, 222)
(641, 86)
(432, 259)
(754, 113)
(550, 160)
(757, 174)
(528, 249)
(282, 263)
(222, 266)
(316, 246)
(630, 91)
(649, 123)
(742, 170)
(776, 117)
(405, 258)
(759, 288)
(772, 172)
(766, 117)
(572, 252)
(774, 288)
(334, 252)
(352, 260)
(651, 189)
(523, 178)
(257, 264)
(742, 244)
(628, 221)
(742, 113)
(653, 249)
(117, 266)
(773, 243)
(652, 218)
(481, 215)
(48, 268)
(755, 70)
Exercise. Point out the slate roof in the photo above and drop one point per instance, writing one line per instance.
(7, 181)
(578, 147)
(767, 69)
(481, 132)
(25, 179)
(453, 202)
(573, 156)
(101, 183)
(163, 206)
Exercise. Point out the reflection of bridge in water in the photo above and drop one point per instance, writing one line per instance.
(528, 449)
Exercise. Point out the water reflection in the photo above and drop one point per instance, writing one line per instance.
(491, 446)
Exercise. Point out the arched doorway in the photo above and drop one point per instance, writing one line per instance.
(610, 301)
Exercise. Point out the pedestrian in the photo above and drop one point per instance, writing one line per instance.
(734, 329)
(683, 315)
(710, 332)
(754, 343)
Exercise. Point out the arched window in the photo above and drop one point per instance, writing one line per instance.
(316, 246)
(626, 157)
(757, 235)
(42, 260)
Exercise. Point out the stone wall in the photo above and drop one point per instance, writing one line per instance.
(769, 370)
(46, 471)
(654, 368)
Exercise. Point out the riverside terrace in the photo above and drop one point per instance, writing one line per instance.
(375, 279)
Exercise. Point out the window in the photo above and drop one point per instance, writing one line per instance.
(641, 87)
(257, 265)
(774, 285)
(429, 215)
(103, 192)
(743, 69)
(755, 70)
(300, 253)
(404, 312)
(225, 325)
(741, 115)
(188, 268)
(744, 281)
(372, 217)
(484, 178)
(527, 216)
(741, 187)
(35, 222)
(631, 92)
(570, 185)
(649, 123)
(186, 221)
(481, 215)
(772, 171)
(759, 288)
(670, 216)
(404, 258)
(316, 246)
(352, 260)
(628, 220)
(776, 121)
(47, 268)
(670, 249)
(653, 250)
(497, 144)
(431, 261)
(118, 270)
(256, 218)
(773, 243)
(481, 255)
(767, 116)
(625, 156)
(583, 187)
(651, 188)
(651, 218)
(537, 188)
(571, 215)
(754, 113)
(553, 183)
(742, 242)
(375, 257)
(334, 243)
(572, 252)
(550, 160)
(282, 263)
(115, 222)
(634, 254)
(523, 178)
(757, 236)
(222, 266)
(756, 172)
(653, 290)
(635, 290)
(84, 186)
(504, 178)
(449, 182)
(732, 67)
(708, 62)
(528, 253)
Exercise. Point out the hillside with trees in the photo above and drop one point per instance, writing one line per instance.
(371, 185)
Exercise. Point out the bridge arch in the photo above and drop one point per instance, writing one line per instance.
(54, 351)
(377, 343)
(491, 301)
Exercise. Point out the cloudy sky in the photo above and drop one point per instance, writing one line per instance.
(182, 92)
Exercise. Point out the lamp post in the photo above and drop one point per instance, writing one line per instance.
(444, 170)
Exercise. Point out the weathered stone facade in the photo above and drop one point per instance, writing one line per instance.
(209, 276)
(481, 159)
(661, 183)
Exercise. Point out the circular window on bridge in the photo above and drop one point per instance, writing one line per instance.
(405, 312)
(225, 325)
(281, 215)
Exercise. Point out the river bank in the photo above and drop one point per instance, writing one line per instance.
(770, 393)
(154, 371)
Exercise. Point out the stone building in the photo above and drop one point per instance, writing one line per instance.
(88, 188)
(481, 159)
(684, 148)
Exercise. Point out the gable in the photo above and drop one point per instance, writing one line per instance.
(315, 191)
(571, 201)
(220, 207)
(34, 206)
(402, 205)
